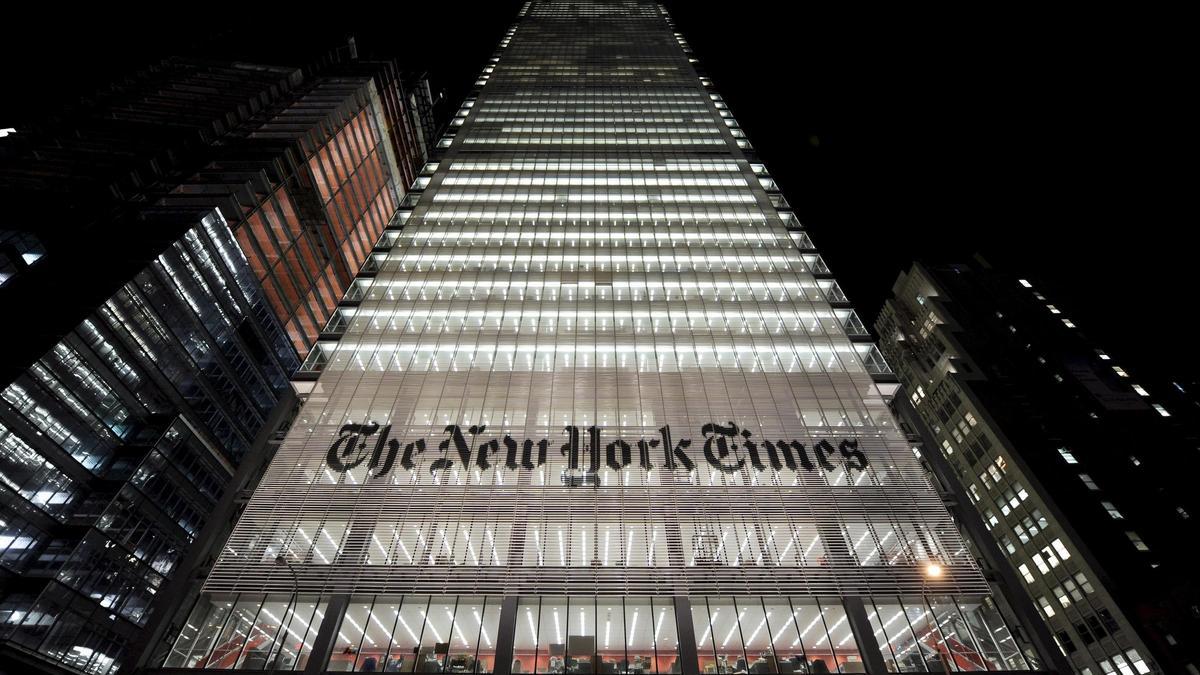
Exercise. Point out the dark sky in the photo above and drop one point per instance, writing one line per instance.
(1056, 144)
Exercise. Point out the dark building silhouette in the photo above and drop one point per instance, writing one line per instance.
(170, 250)
(1082, 470)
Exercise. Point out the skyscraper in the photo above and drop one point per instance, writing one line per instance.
(159, 245)
(1081, 473)
(595, 405)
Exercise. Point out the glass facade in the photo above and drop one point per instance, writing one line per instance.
(116, 445)
(595, 405)
(309, 236)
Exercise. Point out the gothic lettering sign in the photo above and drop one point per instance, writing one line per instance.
(727, 448)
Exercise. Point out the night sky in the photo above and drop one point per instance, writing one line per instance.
(1053, 144)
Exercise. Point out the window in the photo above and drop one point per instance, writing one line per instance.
(1047, 608)
(1087, 480)
(599, 631)
(991, 519)
(1083, 582)
(740, 631)
(1041, 564)
(1051, 558)
(280, 631)
(1067, 456)
(1107, 619)
(1060, 593)
(1112, 511)
(1039, 519)
(1060, 549)
(1161, 410)
(1138, 662)
(1024, 570)
(1065, 643)
(1141, 392)
(1136, 540)
(995, 473)
(1011, 498)
(1025, 283)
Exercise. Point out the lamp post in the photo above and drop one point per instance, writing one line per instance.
(933, 570)
(281, 559)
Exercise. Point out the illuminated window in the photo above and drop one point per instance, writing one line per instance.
(1136, 540)
(1059, 548)
(1047, 608)
(1024, 570)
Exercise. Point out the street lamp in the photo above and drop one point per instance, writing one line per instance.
(933, 570)
(281, 559)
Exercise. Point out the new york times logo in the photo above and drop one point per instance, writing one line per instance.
(726, 448)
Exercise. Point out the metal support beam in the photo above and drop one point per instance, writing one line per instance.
(506, 636)
(868, 646)
(318, 660)
(688, 662)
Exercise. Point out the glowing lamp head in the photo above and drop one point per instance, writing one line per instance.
(933, 570)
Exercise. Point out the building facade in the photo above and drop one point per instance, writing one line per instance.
(1080, 474)
(171, 250)
(310, 182)
(595, 405)
(116, 445)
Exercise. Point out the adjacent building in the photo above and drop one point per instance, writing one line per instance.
(595, 404)
(169, 252)
(1080, 470)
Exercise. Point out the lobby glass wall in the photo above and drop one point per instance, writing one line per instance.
(249, 632)
(774, 635)
(917, 635)
(617, 635)
(596, 635)
(419, 634)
